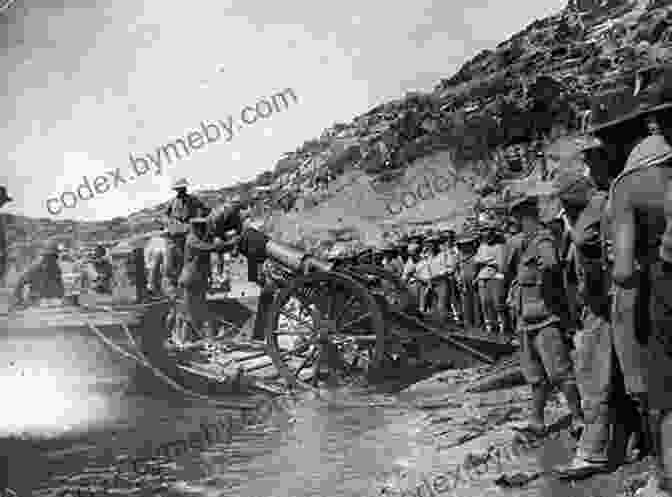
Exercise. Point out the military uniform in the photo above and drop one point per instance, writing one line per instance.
(541, 317)
(179, 212)
(99, 273)
(600, 385)
(44, 278)
(490, 281)
(195, 278)
(638, 217)
(467, 272)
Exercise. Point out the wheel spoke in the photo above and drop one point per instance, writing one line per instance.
(305, 363)
(346, 308)
(298, 320)
(355, 321)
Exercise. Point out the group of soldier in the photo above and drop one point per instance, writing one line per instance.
(190, 245)
(598, 279)
(453, 278)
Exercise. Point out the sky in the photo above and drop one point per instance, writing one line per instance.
(87, 85)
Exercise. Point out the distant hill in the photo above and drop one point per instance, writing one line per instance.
(535, 86)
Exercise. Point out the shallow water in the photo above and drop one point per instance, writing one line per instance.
(72, 401)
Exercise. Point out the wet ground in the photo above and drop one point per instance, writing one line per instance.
(72, 423)
(343, 444)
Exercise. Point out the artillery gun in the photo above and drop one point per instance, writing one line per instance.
(338, 321)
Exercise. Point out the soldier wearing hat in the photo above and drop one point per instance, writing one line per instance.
(445, 263)
(467, 246)
(541, 313)
(98, 272)
(425, 274)
(607, 411)
(43, 277)
(637, 202)
(392, 260)
(408, 276)
(195, 278)
(490, 280)
(179, 211)
(4, 199)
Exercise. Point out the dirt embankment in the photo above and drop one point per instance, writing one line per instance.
(479, 452)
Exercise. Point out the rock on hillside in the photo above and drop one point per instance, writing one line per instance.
(535, 87)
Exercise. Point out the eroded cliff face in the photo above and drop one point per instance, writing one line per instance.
(536, 86)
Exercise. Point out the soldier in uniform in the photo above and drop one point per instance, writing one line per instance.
(660, 348)
(195, 276)
(179, 212)
(606, 409)
(99, 272)
(490, 280)
(4, 199)
(43, 277)
(467, 246)
(637, 209)
(636, 214)
(533, 262)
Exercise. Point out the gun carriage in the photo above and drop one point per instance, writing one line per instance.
(341, 321)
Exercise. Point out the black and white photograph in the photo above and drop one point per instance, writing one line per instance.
(351, 249)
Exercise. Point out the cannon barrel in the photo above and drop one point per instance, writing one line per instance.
(256, 245)
(295, 259)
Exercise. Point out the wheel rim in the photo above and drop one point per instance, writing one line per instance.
(385, 286)
(325, 328)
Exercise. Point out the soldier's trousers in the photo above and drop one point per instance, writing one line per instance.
(446, 297)
(174, 260)
(471, 309)
(196, 306)
(629, 321)
(660, 364)
(491, 293)
(607, 412)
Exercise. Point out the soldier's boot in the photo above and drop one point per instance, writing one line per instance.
(536, 426)
(643, 439)
(571, 393)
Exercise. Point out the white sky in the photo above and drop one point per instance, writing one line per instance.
(86, 86)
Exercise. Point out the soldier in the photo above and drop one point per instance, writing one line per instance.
(395, 261)
(490, 280)
(423, 272)
(637, 202)
(467, 246)
(533, 261)
(195, 276)
(636, 214)
(177, 215)
(599, 379)
(43, 277)
(99, 272)
(4, 199)
(660, 365)
(446, 263)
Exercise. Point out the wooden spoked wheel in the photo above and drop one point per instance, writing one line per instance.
(325, 330)
(384, 285)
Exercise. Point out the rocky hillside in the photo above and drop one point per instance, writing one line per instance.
(535, 87)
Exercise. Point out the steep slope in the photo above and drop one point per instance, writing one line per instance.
(536, 86)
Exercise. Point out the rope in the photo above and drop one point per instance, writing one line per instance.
(143, 361)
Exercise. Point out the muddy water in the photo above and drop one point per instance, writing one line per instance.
(306, 446)
(78, 417)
